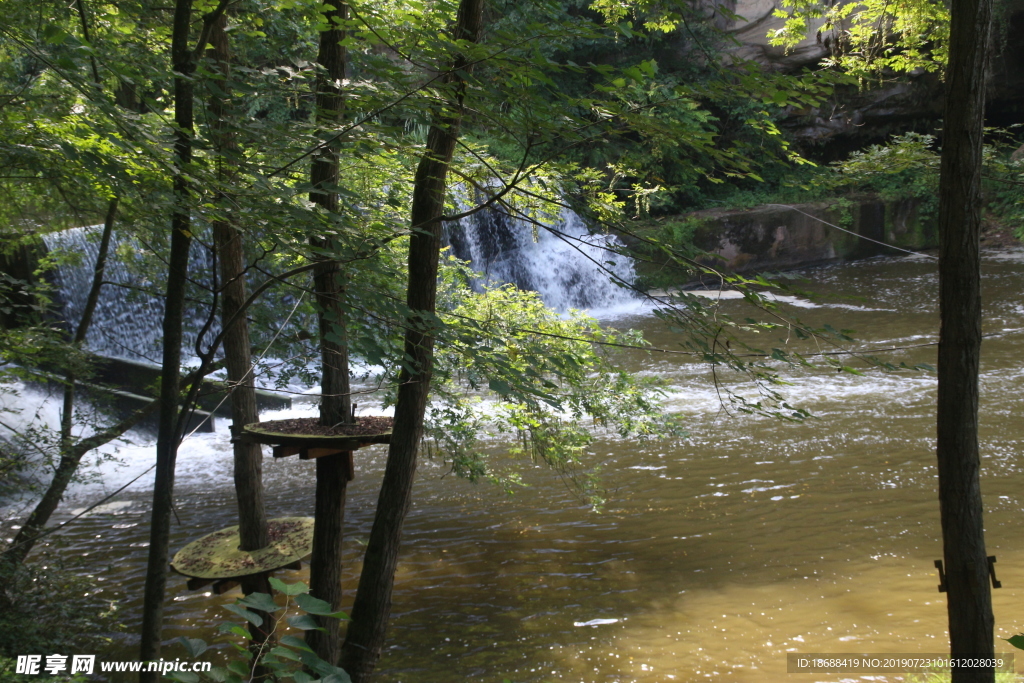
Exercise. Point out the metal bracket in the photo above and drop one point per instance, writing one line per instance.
(996, 583)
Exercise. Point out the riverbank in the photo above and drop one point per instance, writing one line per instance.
(776, 237)
(780, 237)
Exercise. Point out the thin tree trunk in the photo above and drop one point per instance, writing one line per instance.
(248, 457)
(335, 405)
(325, 565)
(84, 20)
(966, 565)
(177, 272)
(170, 426)
(364, 639)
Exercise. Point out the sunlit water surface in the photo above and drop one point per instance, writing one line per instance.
(715, 555)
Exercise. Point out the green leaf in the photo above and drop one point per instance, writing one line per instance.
(288, 588)
(297, 643)
(313, 605)
(239, 668)
(251, 617)
(184, 677)
(54, 34)
(304, 622)
(317, 606)
(325, 669)
(1017, 641)
(499, 386)
(286, 653)
(260, 601)
(233, 628)
(194, 646)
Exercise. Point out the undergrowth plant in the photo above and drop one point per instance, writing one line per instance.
(47, 608)
(284, 658)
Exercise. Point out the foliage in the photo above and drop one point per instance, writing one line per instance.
(944, 676)
(549, 374)
(1004, 179)
(50, 608)
(289, 659)
(869, 38)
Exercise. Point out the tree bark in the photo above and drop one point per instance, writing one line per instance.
(177, 273)
(234, 292)
(248, 457)
(364, 639)
(969, 595)
(332, 473)
(325, 564)
(335, 404)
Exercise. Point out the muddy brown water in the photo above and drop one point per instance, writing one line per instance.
(715, 555)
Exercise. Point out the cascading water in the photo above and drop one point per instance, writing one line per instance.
(567, 265)
(127, 320)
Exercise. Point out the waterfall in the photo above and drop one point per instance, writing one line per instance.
(568, 266)
(127, 321)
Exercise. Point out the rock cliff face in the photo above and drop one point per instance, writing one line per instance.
(776, 237)
(855, 117)
(758, 19)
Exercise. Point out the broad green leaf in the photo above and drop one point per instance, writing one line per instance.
(184, 677)
(297, 643)
(288, 588)
(248, 615)
(260, 601)
(194, 646)
(304, 622)
(1017, 641)
(317, 606)
(285, 652)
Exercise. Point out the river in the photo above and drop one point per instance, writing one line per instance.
(715, 555)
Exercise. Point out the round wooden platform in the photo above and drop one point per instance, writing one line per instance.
(216, 556)
(308, 446)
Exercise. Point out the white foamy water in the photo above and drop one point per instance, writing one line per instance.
(567, 265)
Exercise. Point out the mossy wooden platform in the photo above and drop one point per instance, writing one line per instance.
(215, 558)
(308, 446)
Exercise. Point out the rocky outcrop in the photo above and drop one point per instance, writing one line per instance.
(756, 20)
(780, 237)
(854, 117)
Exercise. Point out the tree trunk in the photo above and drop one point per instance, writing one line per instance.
(335, 404)
(332, 473)
(966, 564)
(364, 639)
(325, 564)
(177, 272)
(248, 457)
